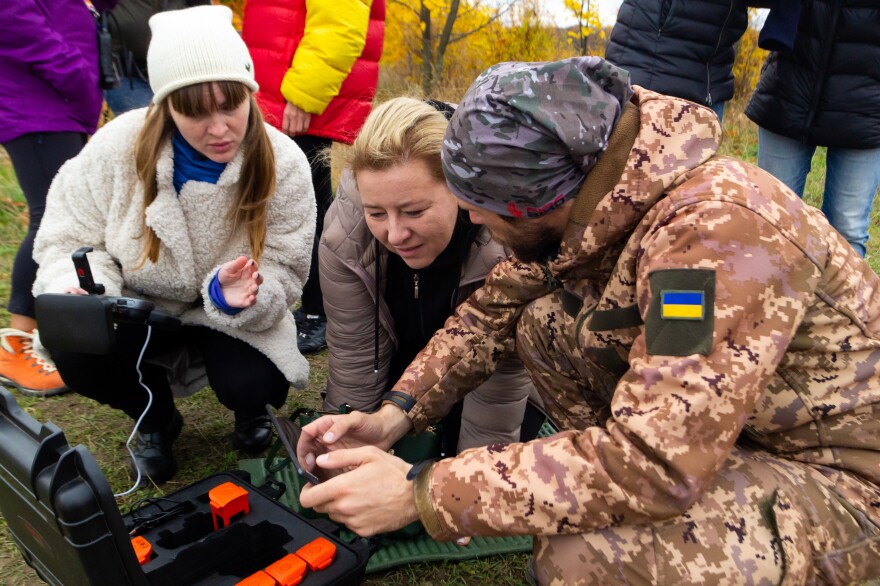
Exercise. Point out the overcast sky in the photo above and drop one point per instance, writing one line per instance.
(608, 12)
(562, 17)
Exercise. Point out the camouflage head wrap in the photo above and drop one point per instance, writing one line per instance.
(526, 134)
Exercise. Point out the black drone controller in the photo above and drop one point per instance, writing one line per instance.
(120, 309)
(84, 272)
(126, 309)
(87, 323)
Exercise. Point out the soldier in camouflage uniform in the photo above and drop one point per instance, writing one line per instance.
(710, 343)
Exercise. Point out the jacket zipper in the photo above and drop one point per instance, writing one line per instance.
(421, 309)
(709, 62)
(663, 14)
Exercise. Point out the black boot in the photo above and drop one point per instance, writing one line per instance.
(153, 454)
(311, 332)
(252, 434)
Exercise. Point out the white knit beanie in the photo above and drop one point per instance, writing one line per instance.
(195, 45)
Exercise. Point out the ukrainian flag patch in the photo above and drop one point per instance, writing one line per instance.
(681, 318)
(676, 304)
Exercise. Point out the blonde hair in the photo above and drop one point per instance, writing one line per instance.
(257, 183)
(398, 131)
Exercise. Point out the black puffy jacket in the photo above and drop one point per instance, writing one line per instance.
(682, 48)
(130, 29)
(826, 91)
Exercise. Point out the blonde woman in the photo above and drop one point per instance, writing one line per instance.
(197, 205)
(396, 257)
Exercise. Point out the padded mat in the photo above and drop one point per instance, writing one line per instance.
(395, 552)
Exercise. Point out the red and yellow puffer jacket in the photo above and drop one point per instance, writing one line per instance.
(318, 55)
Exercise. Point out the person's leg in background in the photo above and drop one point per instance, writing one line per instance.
(785, 158)
(36, 158)
(245, 381)
(133, 92)
(311, 322)
(112, 379)
(493, 412)
(718, 108)
(852, 177)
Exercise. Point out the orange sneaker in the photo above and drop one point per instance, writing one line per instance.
(26, 366)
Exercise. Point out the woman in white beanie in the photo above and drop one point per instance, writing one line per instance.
(198, 206)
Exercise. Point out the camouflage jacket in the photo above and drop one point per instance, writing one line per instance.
(786, 357)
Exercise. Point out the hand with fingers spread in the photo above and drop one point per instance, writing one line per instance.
(295, 120)
(353, 430)
(240, 282)
(373, 496)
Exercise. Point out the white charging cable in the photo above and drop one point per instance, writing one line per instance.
(141, 418)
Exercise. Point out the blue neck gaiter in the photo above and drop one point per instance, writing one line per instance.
(191, 165)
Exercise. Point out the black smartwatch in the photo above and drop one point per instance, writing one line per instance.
(402, 400)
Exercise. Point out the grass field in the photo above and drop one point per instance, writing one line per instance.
(204, 446)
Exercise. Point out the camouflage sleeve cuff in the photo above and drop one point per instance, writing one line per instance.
(419, 418)
(427, 514)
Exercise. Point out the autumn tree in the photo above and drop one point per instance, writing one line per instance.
(589, 30)
(523, 35)
(440, 25)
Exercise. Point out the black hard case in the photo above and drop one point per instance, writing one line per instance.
(63, 518)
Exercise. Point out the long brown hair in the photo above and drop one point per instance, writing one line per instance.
(256, 185)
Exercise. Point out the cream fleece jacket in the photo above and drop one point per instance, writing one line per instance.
(97, 200)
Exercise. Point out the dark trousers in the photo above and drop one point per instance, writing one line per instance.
(36, 158)
(313, 147)
(243, 378)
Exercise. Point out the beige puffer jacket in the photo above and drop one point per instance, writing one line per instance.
(347, 256)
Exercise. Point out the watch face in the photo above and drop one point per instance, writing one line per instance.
(289, 432)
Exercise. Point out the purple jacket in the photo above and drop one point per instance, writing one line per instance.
(48, 67)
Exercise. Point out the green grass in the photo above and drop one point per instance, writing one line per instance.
(204, 446)
(13, 224)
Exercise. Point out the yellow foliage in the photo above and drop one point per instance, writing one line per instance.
(237, 7)
(519, 35)
(402, 32)
(525, 37)
(589, 36)
(465, 59)
(748, 62)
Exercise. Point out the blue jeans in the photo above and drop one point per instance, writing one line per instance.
(133, 92)
(718, 108)
(852, 177)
